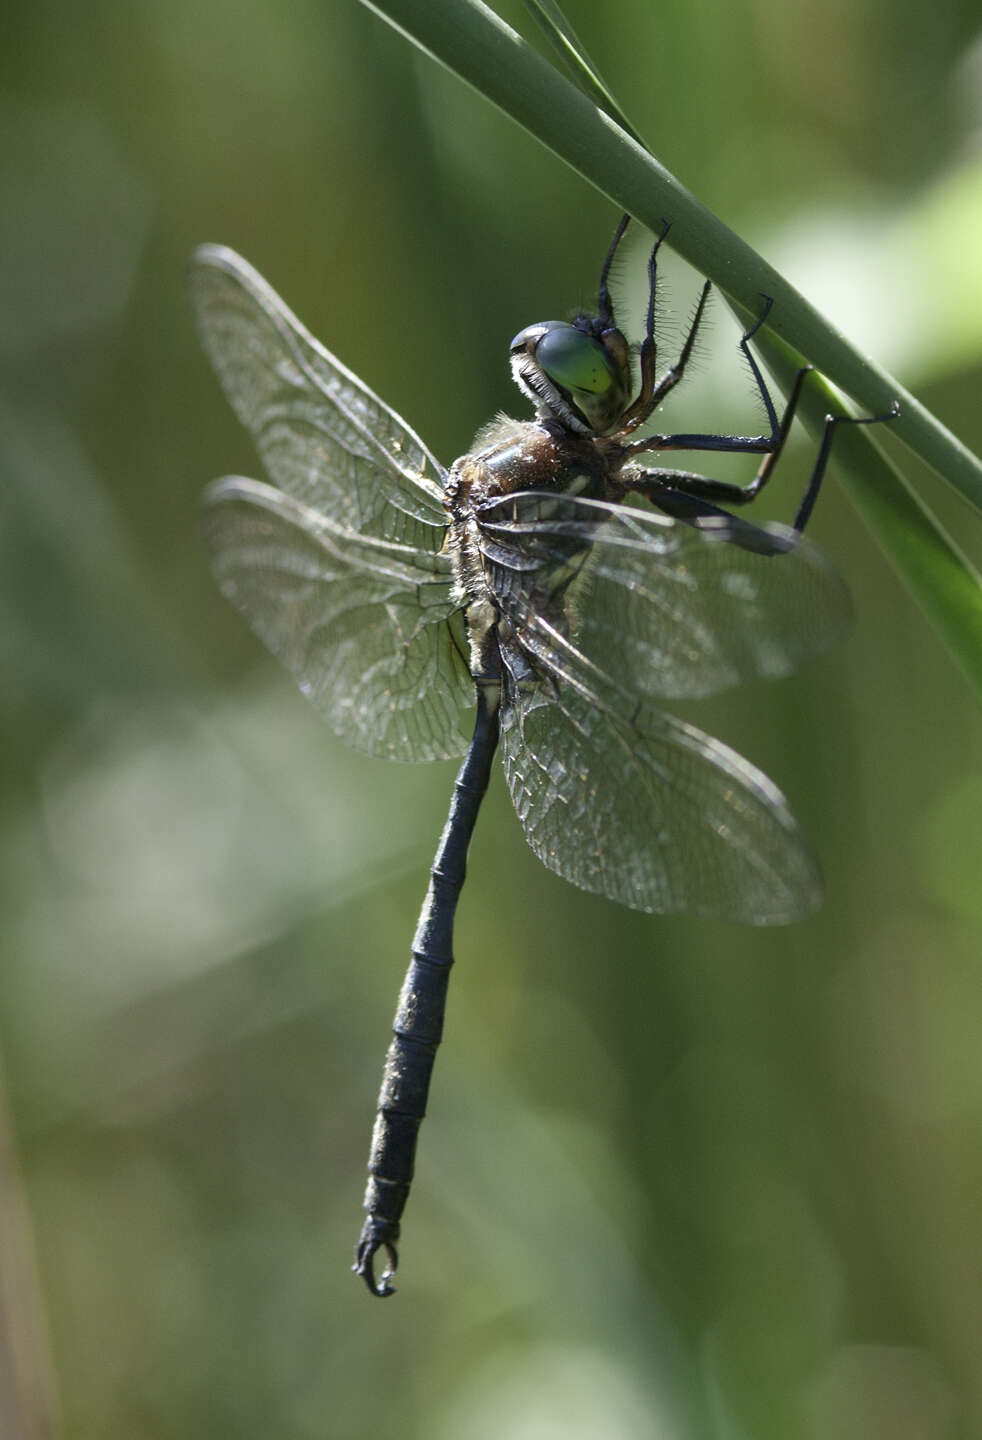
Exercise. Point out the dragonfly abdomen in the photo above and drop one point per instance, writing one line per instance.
(418, 1024)
(417, 1031)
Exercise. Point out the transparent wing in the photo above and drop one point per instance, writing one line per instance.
(671, 610)
(322, 434)
(363, 624)
(626, 801)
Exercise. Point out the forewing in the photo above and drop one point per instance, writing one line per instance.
(626, 801)
(363, 624)
(673, 611)
(322, 434)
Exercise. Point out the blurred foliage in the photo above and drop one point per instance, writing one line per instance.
(678, 1179)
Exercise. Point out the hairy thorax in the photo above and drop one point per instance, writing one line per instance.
(510, 456)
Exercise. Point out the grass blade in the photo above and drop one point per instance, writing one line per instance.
(572, 52)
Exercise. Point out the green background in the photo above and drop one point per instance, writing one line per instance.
(678, 1178)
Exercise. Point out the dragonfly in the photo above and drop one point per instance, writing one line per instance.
(550, 583)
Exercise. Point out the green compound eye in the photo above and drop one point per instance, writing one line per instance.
(576, 361)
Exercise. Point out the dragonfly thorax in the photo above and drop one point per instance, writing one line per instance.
(511, 455)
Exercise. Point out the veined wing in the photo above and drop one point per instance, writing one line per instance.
(671, 610)
(364, 624)
(626, 801)
(322, 434)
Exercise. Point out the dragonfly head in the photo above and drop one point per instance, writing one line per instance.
(577, 373)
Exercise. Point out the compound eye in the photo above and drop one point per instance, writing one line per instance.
(576, 362)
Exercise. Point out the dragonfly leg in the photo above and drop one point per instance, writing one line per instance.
(723, 491)
(605, 307)
(690, 496)
(754, 444)
(673, 375)
(647, 397)
(822, 458)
